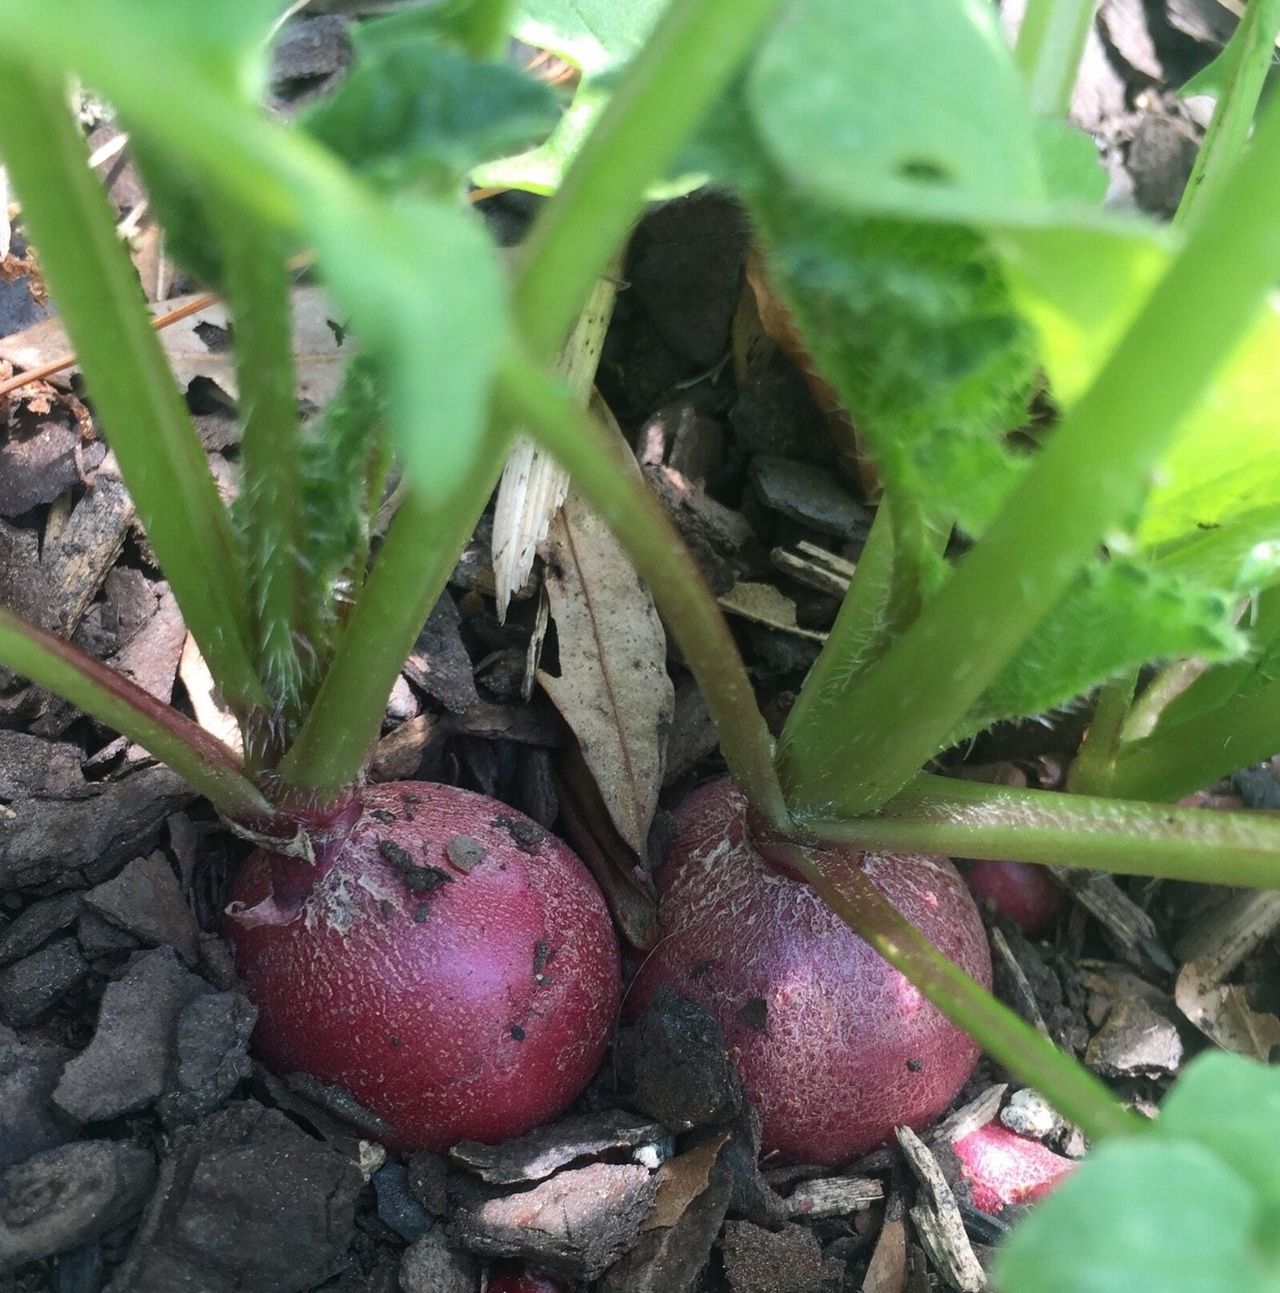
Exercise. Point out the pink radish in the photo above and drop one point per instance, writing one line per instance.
(1025, 893)
(1003, 1167)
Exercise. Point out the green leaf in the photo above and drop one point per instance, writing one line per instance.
(599, 37)
(913, 326)
(1139, 1214)
(1069, 163)
(914, 107)
(425, 297)
(411, 109)
(1118, 615)
(1191, 1206)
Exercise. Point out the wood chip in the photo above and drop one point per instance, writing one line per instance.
(977, 1113)
(834, 1196)
(1132, 931)
(1220, 940)
(814, 567)
(938, 1221)
(887, 1270)
(764, 604)
(1026, 1003)
(208, 706)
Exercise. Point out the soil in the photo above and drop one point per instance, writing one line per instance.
(142, 1147)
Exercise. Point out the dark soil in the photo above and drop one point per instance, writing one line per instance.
(142, 1149)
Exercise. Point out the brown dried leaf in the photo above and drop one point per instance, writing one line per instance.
(682, 1179)
(319, 356)
(613, 689)
(1222, 1012)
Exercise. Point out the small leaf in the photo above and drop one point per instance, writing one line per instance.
(410, 109)
(595, 35)
(1117, 615)
(613, 689)
(437, 347)
(859, 102)
(1140, 1214)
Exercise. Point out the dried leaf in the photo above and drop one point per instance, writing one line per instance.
(1222, 1012)
(613, 689)
(682, 1179)
(200, 345)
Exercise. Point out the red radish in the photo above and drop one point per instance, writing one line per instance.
(445, 960)
(1003, 1167)
(836, 1048)
(524, 1280)
(1027, 894)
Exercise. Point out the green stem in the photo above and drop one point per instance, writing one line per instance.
(961, 819)
(1090, 477)
(132, 387)
(1094, 765)
(202, 760)
(409, 574)
(603, 471)
(858, 637)
(1188, 756)
(485, 26)
(1033, 1059)
(1253, 45)
(683, 67)
(270, 502)
(1050, 45)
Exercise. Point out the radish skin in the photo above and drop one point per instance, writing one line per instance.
(835, 1047)
(446, 961)
(1003, 1168)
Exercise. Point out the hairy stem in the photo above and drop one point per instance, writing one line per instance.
(132, 387)
(684, 65)
(1091, 773)
(208, 765)
(962, 819)
(1033, 1059)
(1090, 476)
(604, 473)
(270, 503)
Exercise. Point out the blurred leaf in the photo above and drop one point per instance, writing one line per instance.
(411, 109)
(860, 104)
(1069, 163)
(598, 37)
(437, 348)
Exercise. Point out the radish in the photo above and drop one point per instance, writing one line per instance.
(836, 1048)
(1024, 893)
(516, 1279)
(1004, 1168)
(444, 960)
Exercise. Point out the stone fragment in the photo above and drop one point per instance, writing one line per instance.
(28, 1122)
(1134, 1042)
(37, 924)
(245, 1201)
(61, 1198)
(212, 1055)
(578, 1223)
(100, 937)
(34, 985)
(429, 1265)
(145, 900)
(808, 494)
(398, 1210)
(784, 1261)
(125, 1066)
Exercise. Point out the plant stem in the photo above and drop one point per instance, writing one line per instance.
(857, 638)
(133, 389)
(684, 65)
(1071, 1089)
(1089, 477)
(484, 27)
(1091, 773)
(409, 574)
(202, 760)
(1050, 45)
(961, 819)
(1224, 141)
(1187, 756)
(270, 500)
(603, 471)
